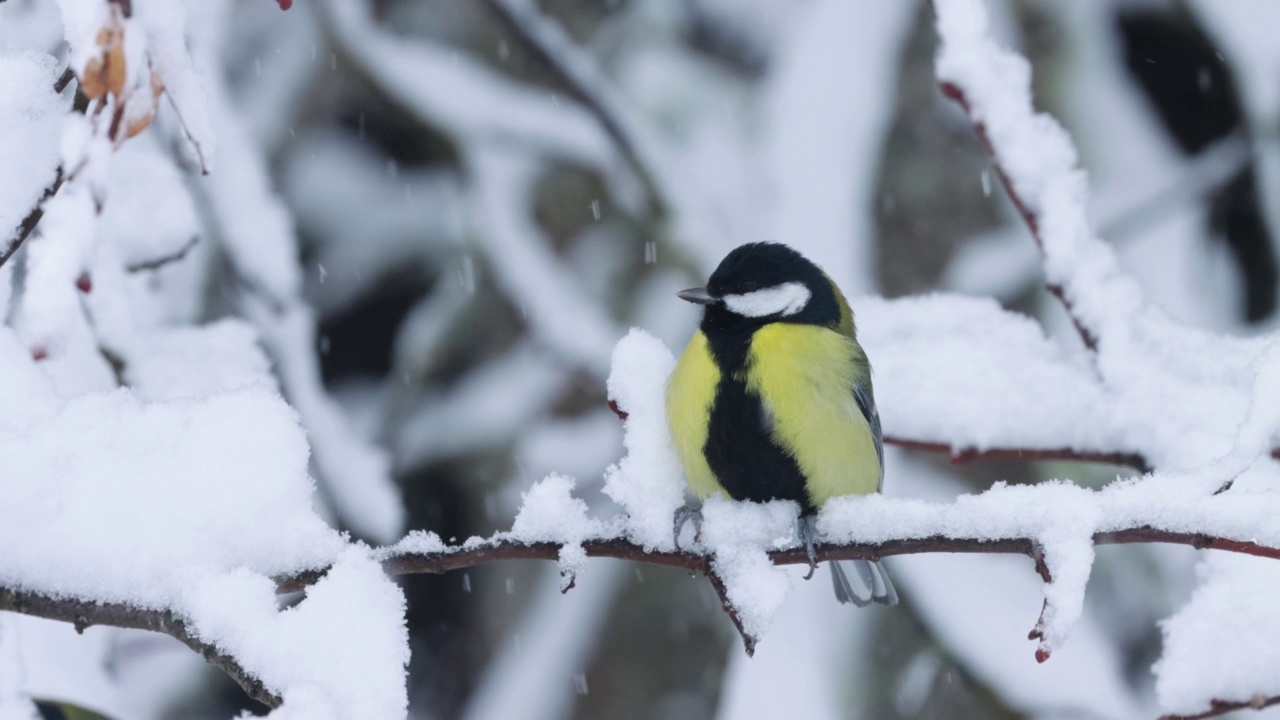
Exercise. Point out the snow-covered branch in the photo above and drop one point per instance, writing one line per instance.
(1218, 708)
(85, 613)
(971, 454)
(423, 553)
(1029, 216)
(32, 219)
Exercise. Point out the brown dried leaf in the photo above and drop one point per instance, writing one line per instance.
(93, 80)
(139, 124)
(106, 72)
(157, 85)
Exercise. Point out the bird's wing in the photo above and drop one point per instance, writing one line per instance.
(867, 404)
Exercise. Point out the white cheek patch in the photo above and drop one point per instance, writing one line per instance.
(785, 299)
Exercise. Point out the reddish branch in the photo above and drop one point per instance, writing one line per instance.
(1222, 707)
(954, 92)
(1133, 460)
(457, 558)
(85, 613)
(32, 219)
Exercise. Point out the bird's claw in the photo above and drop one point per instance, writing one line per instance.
(683, 515)
(808, 531)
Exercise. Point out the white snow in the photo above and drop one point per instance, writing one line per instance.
(648, 482)
(193, 505)
(32, 118)
(964, 372)
(549, 512)
(340, 653)
(150, 213)
(739, 534)
(1222, 643)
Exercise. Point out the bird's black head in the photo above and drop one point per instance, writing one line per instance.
(761, 283)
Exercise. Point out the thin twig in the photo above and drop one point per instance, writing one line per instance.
(459, 557)
(580, 89)
(964, 455)
(455, 558)
(161, 261)
(748, 640)
(954, 92)
(1222, 707)
(86, 613)
(64, 80)
(32, 219)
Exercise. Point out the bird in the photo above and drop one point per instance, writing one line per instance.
(772, 400)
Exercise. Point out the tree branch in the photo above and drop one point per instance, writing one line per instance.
(1222, 707)
(85, 613)
(32, 219)
(460, 557)
(1133, 460)
(580, 86)
(954, 92)
(159, 262)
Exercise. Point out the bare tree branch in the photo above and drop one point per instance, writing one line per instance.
(86, 613)
(159, 262)
(580, 87)
(32, 219)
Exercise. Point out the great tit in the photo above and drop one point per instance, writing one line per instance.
(772, 400)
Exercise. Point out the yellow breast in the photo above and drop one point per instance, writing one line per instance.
(804, 375)
(690, 392)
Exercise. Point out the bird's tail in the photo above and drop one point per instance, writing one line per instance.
(862, 582)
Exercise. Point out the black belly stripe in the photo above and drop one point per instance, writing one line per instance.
(746, 461)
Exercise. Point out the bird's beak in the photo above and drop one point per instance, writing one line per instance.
(699, 296)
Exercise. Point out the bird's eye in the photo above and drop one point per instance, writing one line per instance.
(747, 286)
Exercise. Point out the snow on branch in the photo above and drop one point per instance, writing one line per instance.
(32, 219)
(998, 521)
(85, 613)
(1177, 397)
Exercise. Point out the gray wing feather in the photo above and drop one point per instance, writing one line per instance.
(867, 403)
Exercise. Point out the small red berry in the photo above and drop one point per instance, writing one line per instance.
(39, 353)
(84, 283)
(285, 4)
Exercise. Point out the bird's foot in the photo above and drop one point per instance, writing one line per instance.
(808, 529)
(683, 515)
